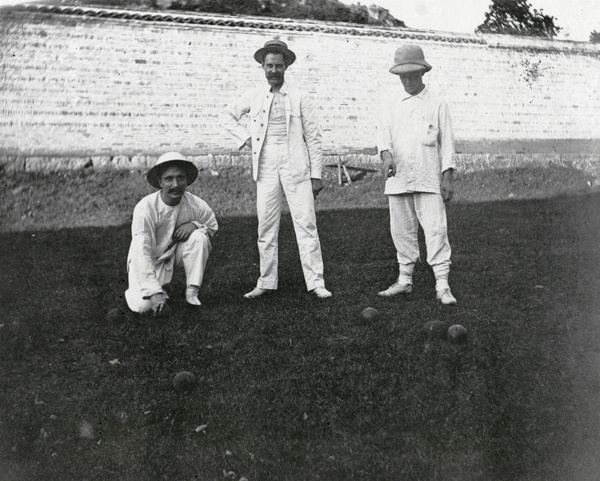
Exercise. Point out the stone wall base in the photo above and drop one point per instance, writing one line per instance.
(589, 163)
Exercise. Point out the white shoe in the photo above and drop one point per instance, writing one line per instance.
(395, 289)
(257, 292)
(191, 296)
(194, 301)
(446, 297)
(321, 292)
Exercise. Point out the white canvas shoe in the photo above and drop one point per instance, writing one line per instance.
(395, 289)
(257, 292)
(321, 292)
(193, 301)
(191, 296)
(446, 297)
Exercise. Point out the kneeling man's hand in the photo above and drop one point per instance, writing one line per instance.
(184, 231)
(159, 301)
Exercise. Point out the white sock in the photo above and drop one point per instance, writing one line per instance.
(441, 284)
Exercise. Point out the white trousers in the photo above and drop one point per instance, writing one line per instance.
(274, 180)
(191, 254)
(407, 211)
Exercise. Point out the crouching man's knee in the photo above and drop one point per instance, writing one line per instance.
(136, 302)
(197, 239)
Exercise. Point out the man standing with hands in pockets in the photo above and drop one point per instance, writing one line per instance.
(285, 140)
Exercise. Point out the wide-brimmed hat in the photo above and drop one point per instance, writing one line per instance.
(275, 46)
(171, 159)
(409, 59)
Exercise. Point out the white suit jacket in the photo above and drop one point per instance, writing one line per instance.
(303, 131)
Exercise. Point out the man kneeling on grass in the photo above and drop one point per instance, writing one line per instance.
(169, 228)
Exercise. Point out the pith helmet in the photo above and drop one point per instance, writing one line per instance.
(168, 160)
(408, 59)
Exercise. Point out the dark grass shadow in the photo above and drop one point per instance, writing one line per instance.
(290, 387)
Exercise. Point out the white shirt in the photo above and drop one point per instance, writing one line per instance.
(277, 125)
(152, 228)
(417, 131)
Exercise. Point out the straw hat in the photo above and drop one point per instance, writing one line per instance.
(409, 59)
(171, 159)
(275, 46)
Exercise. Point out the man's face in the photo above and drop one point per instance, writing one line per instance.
(412, 82)
(172, 183)
(274, 67)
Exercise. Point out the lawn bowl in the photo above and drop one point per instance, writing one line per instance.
(184, 381)
(435, 330)
(369, 314)
(457, 334)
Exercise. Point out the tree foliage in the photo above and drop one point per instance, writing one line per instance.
(595, 37)
(517, 17)
(241, 7)
(327, 10)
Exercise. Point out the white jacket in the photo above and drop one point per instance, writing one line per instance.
(304, 134)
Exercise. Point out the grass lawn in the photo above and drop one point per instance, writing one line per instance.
(290, 387)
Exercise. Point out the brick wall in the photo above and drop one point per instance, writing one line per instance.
(83, 82)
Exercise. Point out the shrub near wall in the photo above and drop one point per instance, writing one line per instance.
(97, 86)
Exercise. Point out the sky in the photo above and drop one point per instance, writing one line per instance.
(577, 17)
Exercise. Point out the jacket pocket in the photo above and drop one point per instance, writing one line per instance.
(254, 114)
(430, 134)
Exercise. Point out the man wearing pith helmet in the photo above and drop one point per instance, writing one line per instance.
(416, 144)
(170, 228)
(284, 137)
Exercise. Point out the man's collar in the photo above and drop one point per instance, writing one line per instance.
(421, 95)
(283, 89)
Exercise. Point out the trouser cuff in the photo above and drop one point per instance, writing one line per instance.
(271, 286)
